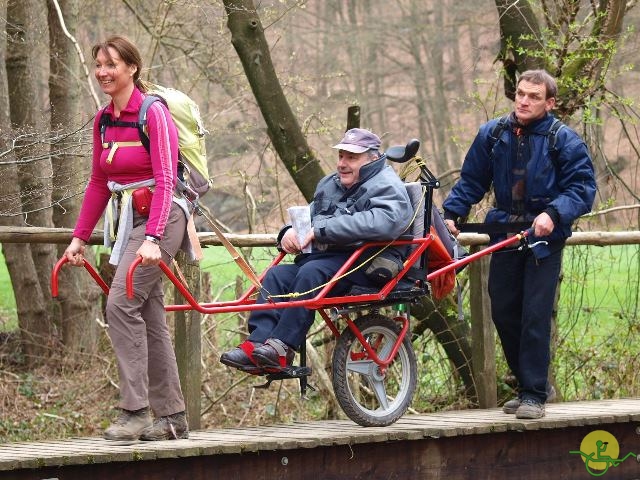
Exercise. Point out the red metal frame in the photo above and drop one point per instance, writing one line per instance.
(321, 302)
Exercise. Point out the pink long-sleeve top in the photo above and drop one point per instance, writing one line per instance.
(132, 164)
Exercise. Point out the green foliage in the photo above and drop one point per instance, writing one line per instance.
(438, 386)
(8, 313)
(598, 323)
(577, 43)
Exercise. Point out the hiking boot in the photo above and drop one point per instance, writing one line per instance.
(171, 427)
(129, 425)
(274, 355)
(241, 358)
(512, 405)
(530, 409)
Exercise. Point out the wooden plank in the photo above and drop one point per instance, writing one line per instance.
(536, 455)
(437, 426)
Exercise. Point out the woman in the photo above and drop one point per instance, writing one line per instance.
(136, 188)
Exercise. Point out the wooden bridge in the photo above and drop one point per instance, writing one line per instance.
(469, 444)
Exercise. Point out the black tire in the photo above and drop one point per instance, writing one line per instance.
(358, 383)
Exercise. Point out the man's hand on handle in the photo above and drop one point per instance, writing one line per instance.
(451, 225)
(542, 225)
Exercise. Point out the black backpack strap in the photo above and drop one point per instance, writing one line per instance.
(500, 127)
(496, 132)
(552, 135)
(107, 121)
(142, 128)
(103, 123)
(552, 139)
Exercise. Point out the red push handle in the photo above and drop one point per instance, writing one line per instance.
(132, 267)
(92, 271)
(485, 251)
(165, 268)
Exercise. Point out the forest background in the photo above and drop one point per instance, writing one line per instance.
(417, 69)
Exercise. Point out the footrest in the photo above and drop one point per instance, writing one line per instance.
(286, 373)
(290, 372)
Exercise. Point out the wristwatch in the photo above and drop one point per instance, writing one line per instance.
(152, 239)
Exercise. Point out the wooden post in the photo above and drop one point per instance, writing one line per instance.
(483, 356)
(188, 342)
(353, 117)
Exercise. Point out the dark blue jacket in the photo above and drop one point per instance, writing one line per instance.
(561, 182)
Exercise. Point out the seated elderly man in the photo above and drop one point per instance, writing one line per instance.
(364, 200)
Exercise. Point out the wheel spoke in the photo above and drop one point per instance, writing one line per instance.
(363, 367)
(380, 391)
(383, 353)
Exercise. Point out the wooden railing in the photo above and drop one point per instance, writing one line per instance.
(63, 235)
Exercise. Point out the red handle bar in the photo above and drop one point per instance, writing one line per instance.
(474, 256)
(165, 268)
(96, 276)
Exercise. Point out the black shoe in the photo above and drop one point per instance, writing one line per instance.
(241, 358)
(274, 355)
(512, 405)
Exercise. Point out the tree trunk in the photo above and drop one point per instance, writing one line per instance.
(29, 267)
(593, 57)
(247, 37)
(79, 294)
(519, 34)
(28, 115)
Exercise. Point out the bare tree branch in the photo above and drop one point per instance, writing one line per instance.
(94, 95)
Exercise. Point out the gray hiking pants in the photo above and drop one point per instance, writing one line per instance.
(138, 327)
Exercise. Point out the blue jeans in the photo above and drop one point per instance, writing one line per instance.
(291, 324)
(522, 291)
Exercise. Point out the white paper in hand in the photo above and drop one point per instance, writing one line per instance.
(301, 222)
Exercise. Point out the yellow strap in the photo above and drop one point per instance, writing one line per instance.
(115, 145)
